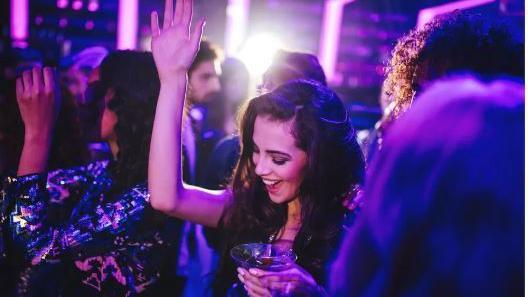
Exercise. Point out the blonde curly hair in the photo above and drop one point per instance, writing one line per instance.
(455, 42)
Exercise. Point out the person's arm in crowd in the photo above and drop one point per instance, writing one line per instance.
(38, 101)
(174, 47)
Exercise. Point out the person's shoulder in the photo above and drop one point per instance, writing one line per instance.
(227, 144)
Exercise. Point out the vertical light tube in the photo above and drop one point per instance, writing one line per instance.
(237, 14)
(330, 35)
(19, 20)
(127, 25)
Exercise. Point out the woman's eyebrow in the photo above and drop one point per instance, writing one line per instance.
(278, 153)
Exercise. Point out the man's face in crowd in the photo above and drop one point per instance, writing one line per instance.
(204, 81)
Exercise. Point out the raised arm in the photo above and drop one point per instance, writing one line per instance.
(174, 48)
(38, 104)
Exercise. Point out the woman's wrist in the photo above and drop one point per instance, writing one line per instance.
(41, 137)
(176, 78)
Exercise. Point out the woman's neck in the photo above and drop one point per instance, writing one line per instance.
(293, 223)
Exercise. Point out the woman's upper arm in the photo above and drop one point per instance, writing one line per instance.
(199, 205)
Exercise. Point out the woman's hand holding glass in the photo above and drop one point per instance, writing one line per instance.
(291, 282)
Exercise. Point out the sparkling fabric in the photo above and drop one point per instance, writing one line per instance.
(116, 242)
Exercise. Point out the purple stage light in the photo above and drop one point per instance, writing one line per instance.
(63, 22)
(127, 24)
(77, 5)
(39, 20)
(89, 25)
(19, 20)
(93, 5)
(62, 4)
(330, 34)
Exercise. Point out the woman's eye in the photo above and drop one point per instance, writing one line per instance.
(279, 161)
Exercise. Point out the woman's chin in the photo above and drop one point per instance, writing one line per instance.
(280, 199)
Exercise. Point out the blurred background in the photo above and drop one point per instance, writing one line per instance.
(352, 39)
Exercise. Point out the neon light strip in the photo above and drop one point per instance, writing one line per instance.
(330, 35)
(427, 14)
(127, 24)
(237, 12)
(19, 20)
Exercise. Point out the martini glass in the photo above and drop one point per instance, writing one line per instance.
(265, 256)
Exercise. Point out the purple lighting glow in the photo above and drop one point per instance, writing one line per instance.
(127, 24)
(63, 22)
(19, 20)
(237, 12)
(427, 14)
(39, 20)
(62, 4)
(77, 5)
(93, 5)
(330, 34)
(89, 25)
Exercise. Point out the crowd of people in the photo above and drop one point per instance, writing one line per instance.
(136, 173)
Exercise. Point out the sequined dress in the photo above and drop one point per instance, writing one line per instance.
(115, 244)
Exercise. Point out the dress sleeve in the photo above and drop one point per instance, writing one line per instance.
(80, 236)
(87, 230)
(24, 201)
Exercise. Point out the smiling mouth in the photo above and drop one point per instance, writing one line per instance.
(271, 184)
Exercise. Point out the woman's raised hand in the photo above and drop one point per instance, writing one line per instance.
(38, 101)
(174, 46)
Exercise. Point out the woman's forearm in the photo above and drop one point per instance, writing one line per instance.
(34, 156)
(165, 173)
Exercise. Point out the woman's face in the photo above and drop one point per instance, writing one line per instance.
(278, 161)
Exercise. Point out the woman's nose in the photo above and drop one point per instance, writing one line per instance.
(261, 167)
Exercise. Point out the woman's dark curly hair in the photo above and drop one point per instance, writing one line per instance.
(335, 163)
(134, 80)
(454, 42)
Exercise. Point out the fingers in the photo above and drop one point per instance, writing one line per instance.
(253, 293)
(178, 12)
(49, 80)
(197, 33)
(187, 12)
(19, 89)
(26, 79)
(256, 290)
(252, 283)
(167, 16)
(38, 84)
(259, 272)
(154, 24)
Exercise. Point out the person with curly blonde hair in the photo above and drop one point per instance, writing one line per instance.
(451, 43)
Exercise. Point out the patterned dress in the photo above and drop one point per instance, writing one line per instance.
(115, 244)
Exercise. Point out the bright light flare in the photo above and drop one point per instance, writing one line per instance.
(258, 51)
